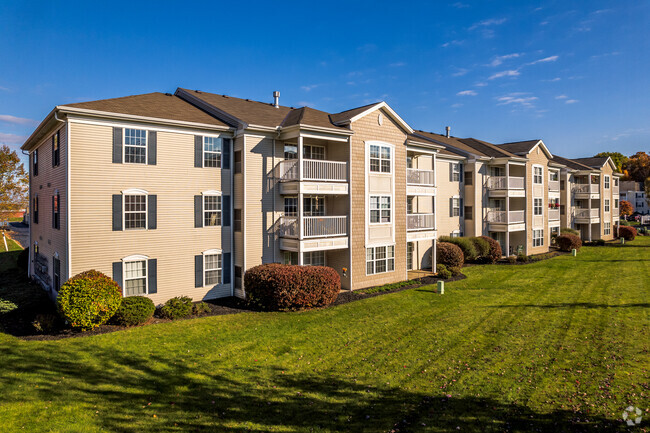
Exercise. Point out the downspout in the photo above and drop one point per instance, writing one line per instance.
(68, 256)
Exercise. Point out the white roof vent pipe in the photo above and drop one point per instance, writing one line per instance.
(447, 130)
(276, 99)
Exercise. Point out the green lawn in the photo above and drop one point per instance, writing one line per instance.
(558, 345)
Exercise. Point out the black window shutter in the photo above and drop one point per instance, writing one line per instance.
(225, 268)
(152, 147)
(460, 207)
(198, 270)
(225, 210)
(460, 172)
(117, 212)
(451, 207)
(53, 214)
(117, 273)
(198, 211)
(53, 154)
(36, 210)
(117, 145)
(58, 214)
(451, 172)
(225, 153)
(152, 211)
(198, 151)
(35, 162)
(153, 275)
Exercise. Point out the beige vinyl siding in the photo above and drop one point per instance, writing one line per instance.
(607, 194)
(175, 181)
(49, 180)
(537, 157)
(446, 190)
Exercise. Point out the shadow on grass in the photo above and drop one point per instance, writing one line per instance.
(128, 389)
(585, 305)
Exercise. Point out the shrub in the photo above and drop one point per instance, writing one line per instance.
(201, 308)
(88, 299)
(466, 245)
(455, 270)
(569, 231)
(177, 308)
(290, 287)
(512, 259)
(568, 242)
(23, 260)
(495, 250)
(522, 258)
(443, 272)
(627, 232)
(45, 323)
(449, 254)
(135, 310)
(482, 248)
(624, 223)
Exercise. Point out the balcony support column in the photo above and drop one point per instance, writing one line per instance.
(589, 201)
(507, 176)
(300, 168)
(434, 258)
(507, 251)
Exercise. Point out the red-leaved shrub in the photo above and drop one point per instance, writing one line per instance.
(290, 287)
(568, 242)
(495, 250)
(449, 255)
(626, 232)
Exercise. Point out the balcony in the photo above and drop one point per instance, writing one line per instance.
(502, 186)
(554, 214)
(505, 217)
(316, 177)
(587, 189)
(420, 221)
(313, 227)
(554, 185)
(415, 176)
(587, 214)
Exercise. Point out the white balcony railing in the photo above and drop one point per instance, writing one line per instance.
(587, 213)
(314, 169)
(586, 188)
(313, 227)
(554, 214)
(553, 185)
(504, 217)
(503, 182)
(420, 221)
(415, 176)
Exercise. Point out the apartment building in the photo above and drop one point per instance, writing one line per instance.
(180, 194)
(634, 192)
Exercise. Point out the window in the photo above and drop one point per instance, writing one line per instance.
(456, 234)
(553, 176)
(380, 259)
(211, 152)
(290, 258)
(409, 162)
(615, 203)
(313, 206)
(606, 205)
(314, 258)
(135, 277)
(55, 150)
(616, 182)
(211, 269)
(135, 146)
(238, 161)
(606, 182)
(455, 206)
(469, 180)
(468, 213)
(135, 211)
(410, 248)
(291, 206)
(380, 209)
(607, 228)
(313, 152)
(537, 175)
(56, 272)
(537, 206)
(409, 205)
(35, 162)
(211, 210)
(35, 209)
(290, 151)
(455, 172)
(237, 220)
(56, 211)
(379, 158)
(538, 238)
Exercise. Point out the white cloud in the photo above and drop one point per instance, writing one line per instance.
(552, 80)
(6, 89)
(454, 42)
(467, 93)
(544, 60)
(16, 120)
(456, 105)
(570, 101)
(310, 87)
(481, 84)
(460, 72)
(499, 59)
(561, 97)
(509, 73)
(11, 138)
(517, 99)
(459, 5)
(487, 23)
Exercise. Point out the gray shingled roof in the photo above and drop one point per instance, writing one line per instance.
(469, 145)
(345, 116)
(571, 163)
(595, 162)
(519, 147)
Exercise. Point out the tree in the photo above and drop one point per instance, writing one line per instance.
(625, 208)
(13, 180)
(638, 167)
(618, 158)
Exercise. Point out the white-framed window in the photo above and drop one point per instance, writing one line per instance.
(616, 182)
(538, 238)
(135, 275)
(607, 228)
(380, 259)
(135, 209)
(380, 158)
(615, 203)
(606, 204)
(211, 209)
(538, 173)
(606, 180)
(410, 249)
(290, 151)
(291, 206)
(455, 171)
(456, 234)
(455, 206)
(290, 258)
(212, 267)
(135, 146)
(212, 152)
(380, 209)
(537, 206)
(553, 175)
(314, 258)
(310, 151)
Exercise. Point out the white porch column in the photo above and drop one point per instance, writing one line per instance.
(507, 251)
(300, 202)
(507, 175)
(434, 258)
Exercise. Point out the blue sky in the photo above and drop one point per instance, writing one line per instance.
(575, 74)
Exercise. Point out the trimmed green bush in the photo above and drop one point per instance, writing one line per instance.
(495, 252)
(512, 259)
(569, 231)
(627, 232)
(449, 254)
(289, 287)
(522, 258)
(455, 270)
(88, 300)
(466, 245)
(568, 242)
(201, 308)
(176, 308)
(135, 310)
(443, 272)
(482, 247)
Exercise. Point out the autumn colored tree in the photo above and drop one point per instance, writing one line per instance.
(13, 180)
(619, 159)
(638, 167)
(625, 208)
